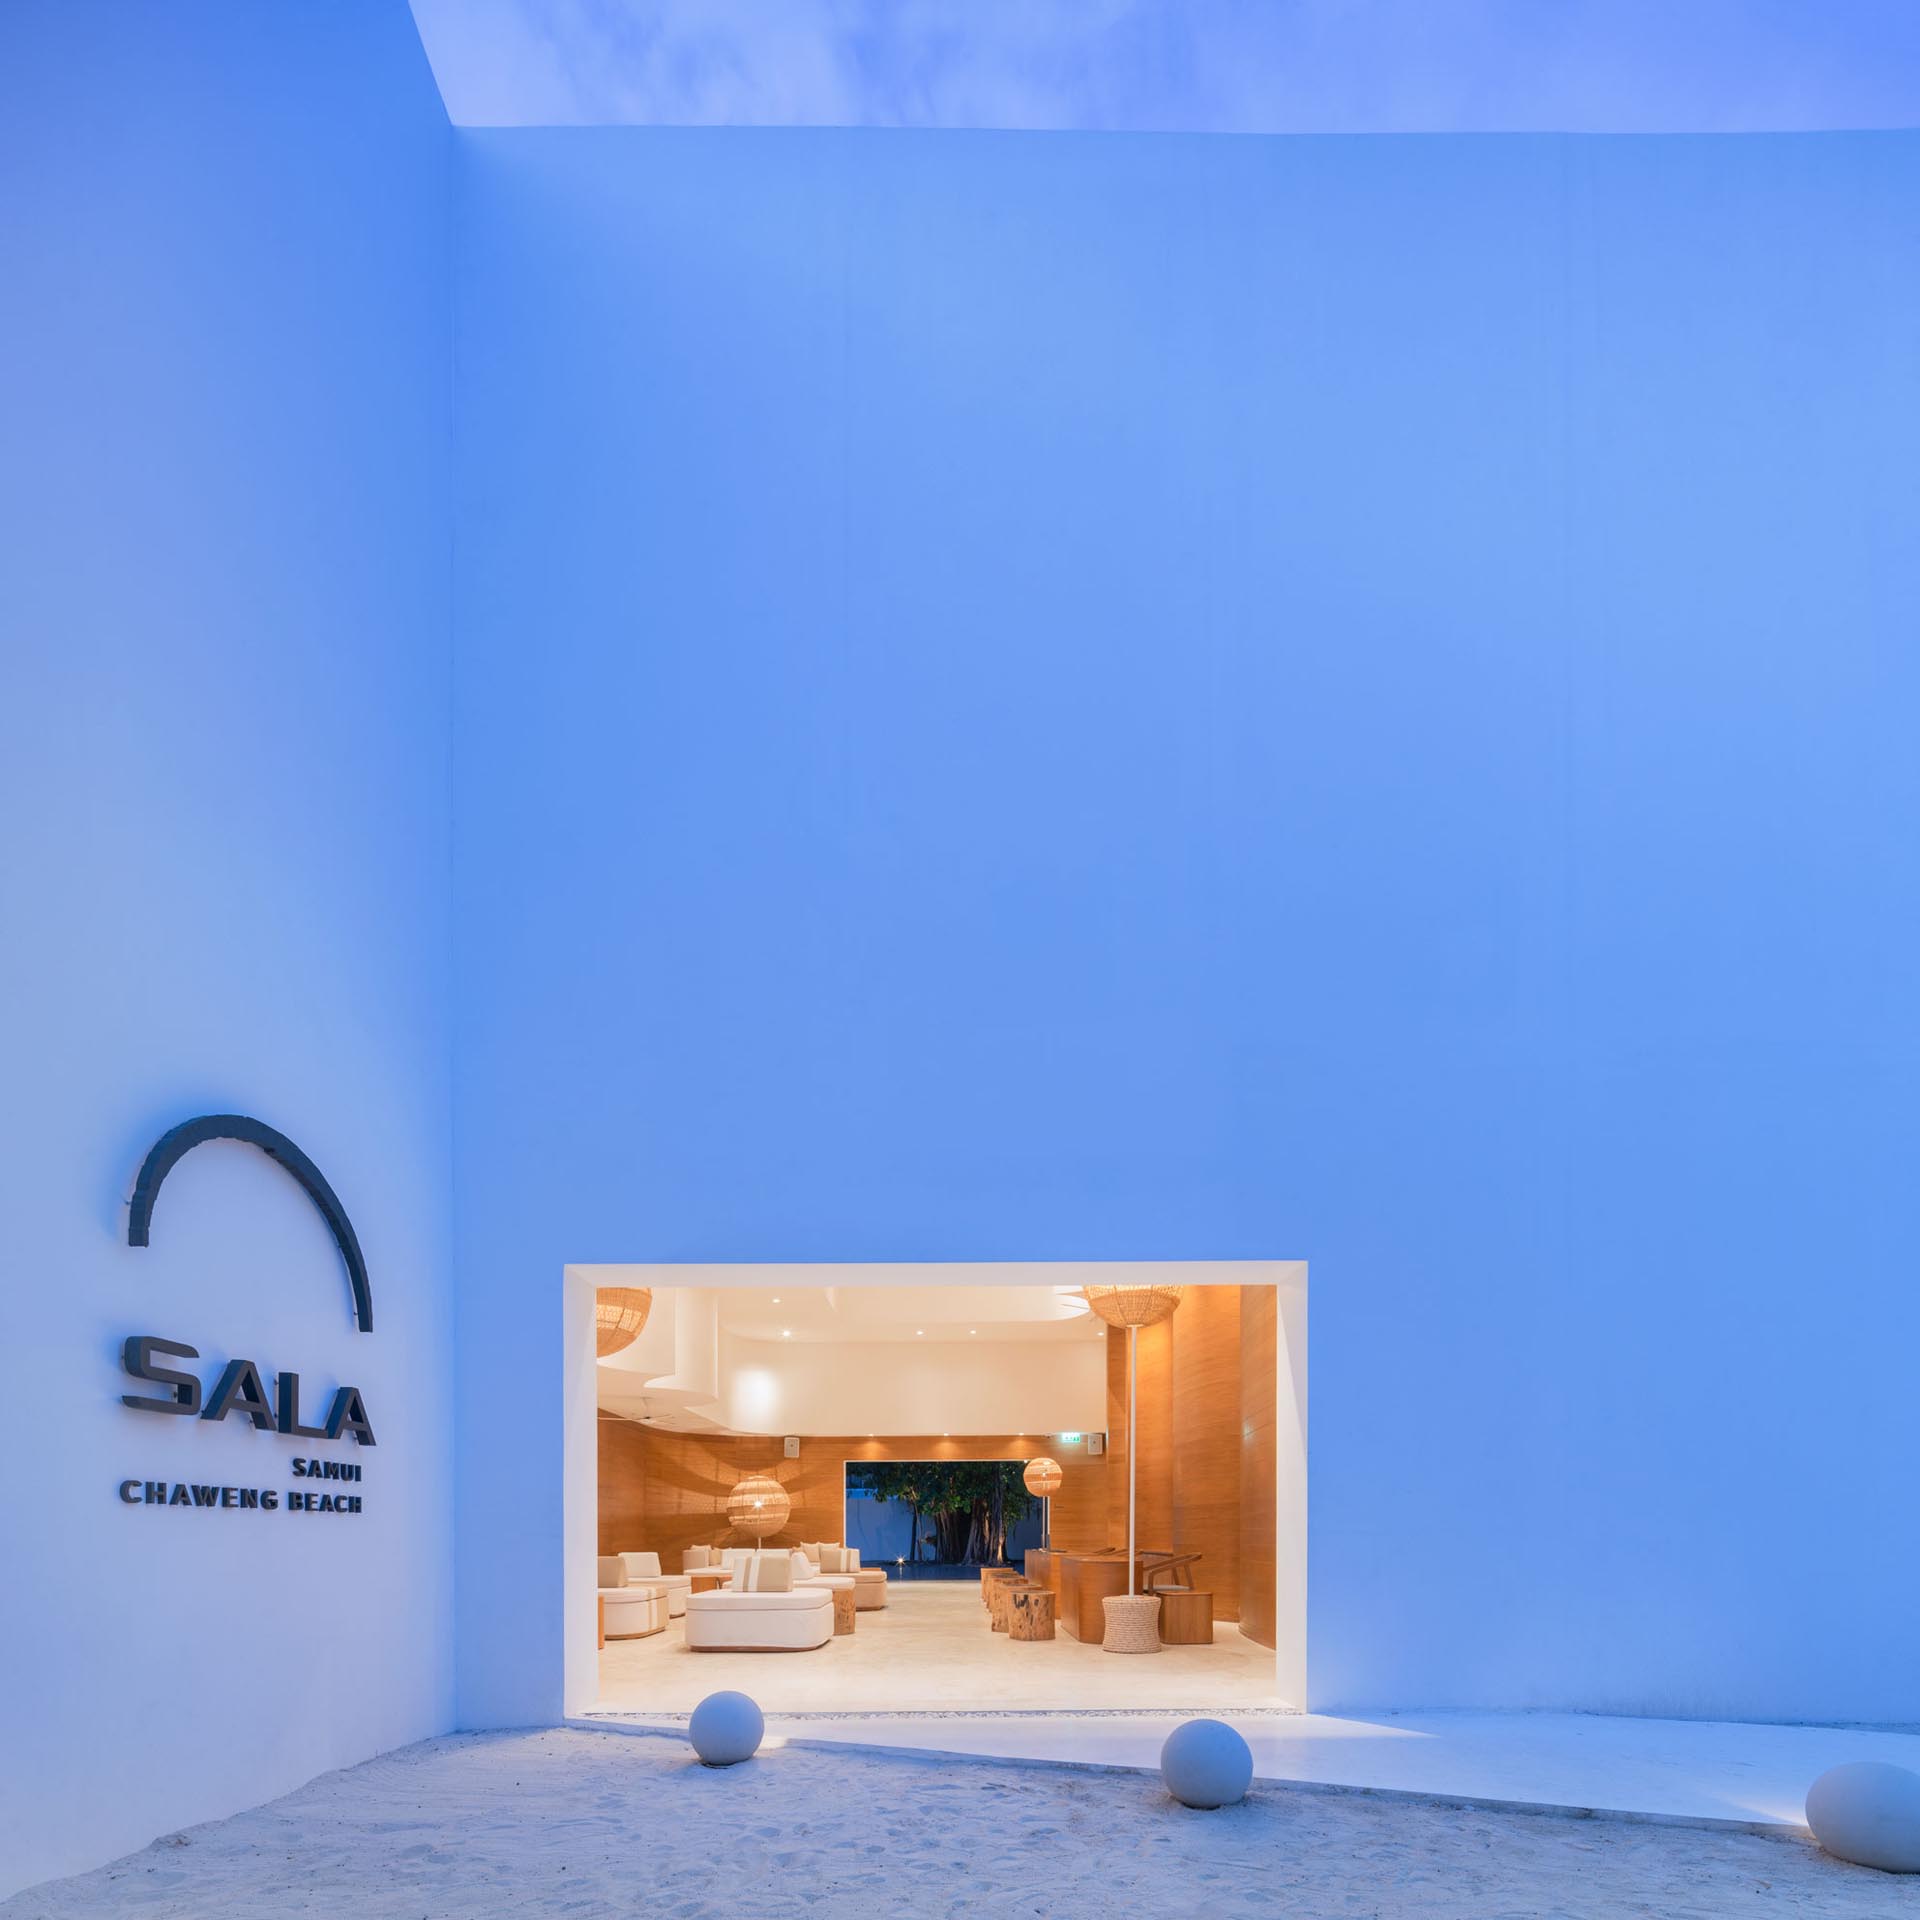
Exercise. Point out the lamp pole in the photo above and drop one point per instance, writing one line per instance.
(1133, 1439)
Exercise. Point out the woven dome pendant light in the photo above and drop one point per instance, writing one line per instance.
(1042, 1479)
(758, 1505)
(1133, 1308)
(619, 1313)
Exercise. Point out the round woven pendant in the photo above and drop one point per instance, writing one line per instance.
(758, 1505)
(1042, 1477)
(619, 1313)
(1133, 1306)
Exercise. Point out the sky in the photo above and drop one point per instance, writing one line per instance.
(1226, 66)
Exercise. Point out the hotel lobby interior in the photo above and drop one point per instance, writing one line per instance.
(763, 1446)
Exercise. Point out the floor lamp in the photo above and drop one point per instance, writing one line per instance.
(1133, 1308)
(1042, 1479)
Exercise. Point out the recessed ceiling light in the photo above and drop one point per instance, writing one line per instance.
(776, 1299)
(919, 1333)
(786, 1333)
(973, 1329)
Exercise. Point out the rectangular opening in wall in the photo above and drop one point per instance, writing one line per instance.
(841, 1465)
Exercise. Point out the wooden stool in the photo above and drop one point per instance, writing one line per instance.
(1133, 1623)
(1030, 1612)
(1003, 1592)
(991, 1577)
(1186, 1617)
(844, 1599)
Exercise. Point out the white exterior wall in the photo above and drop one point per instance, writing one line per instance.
(224, 715)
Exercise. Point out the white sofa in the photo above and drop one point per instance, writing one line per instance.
(788, 1620)
(646, 1567)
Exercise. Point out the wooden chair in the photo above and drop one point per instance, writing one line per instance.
(1163, 1572)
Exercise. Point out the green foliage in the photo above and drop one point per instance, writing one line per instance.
(971, 1503)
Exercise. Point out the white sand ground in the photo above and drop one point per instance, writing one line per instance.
(585, 1825)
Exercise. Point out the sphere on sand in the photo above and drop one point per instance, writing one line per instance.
(1868, 1812)
(726, 1729)
(1206, 1764)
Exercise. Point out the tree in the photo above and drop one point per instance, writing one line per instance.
(971, 1503)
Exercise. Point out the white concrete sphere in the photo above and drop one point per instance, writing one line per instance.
(1868, 1812)
(726, 1729)
(1206, 1764)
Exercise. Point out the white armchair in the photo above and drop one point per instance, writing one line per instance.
(628, 1610)
(646, 1567)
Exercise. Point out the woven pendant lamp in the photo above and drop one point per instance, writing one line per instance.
(619, 1313)
(1133, 1308)
(758, 1505)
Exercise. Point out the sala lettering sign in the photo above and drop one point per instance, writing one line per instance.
(240, 1390)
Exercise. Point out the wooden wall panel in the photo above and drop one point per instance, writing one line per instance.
(1206, 1439)
(1259, 1438)
(623, 1484)
(664, 1492)
(1153, 1494)
(1195, 1457)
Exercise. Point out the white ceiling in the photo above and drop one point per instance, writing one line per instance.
(911, 1315)
(1022, 1351)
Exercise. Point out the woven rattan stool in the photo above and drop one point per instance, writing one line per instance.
(1133, 1623)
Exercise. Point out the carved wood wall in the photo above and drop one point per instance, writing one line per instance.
(663, 1492)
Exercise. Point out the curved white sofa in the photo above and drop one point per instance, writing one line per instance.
(790, 1622)
(646, 1567)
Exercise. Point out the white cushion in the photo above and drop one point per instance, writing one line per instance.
(695, 1557)
(642, 1566)
(766, 1573)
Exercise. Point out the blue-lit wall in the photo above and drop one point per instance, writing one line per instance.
(224, 883)
(1032, 696)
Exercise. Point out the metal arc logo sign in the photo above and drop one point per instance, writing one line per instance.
(177, 1142)
(239, 1390)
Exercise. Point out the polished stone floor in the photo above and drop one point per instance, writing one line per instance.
(931, 1648)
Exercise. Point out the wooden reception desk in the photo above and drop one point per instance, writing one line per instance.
(1081, 1581)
